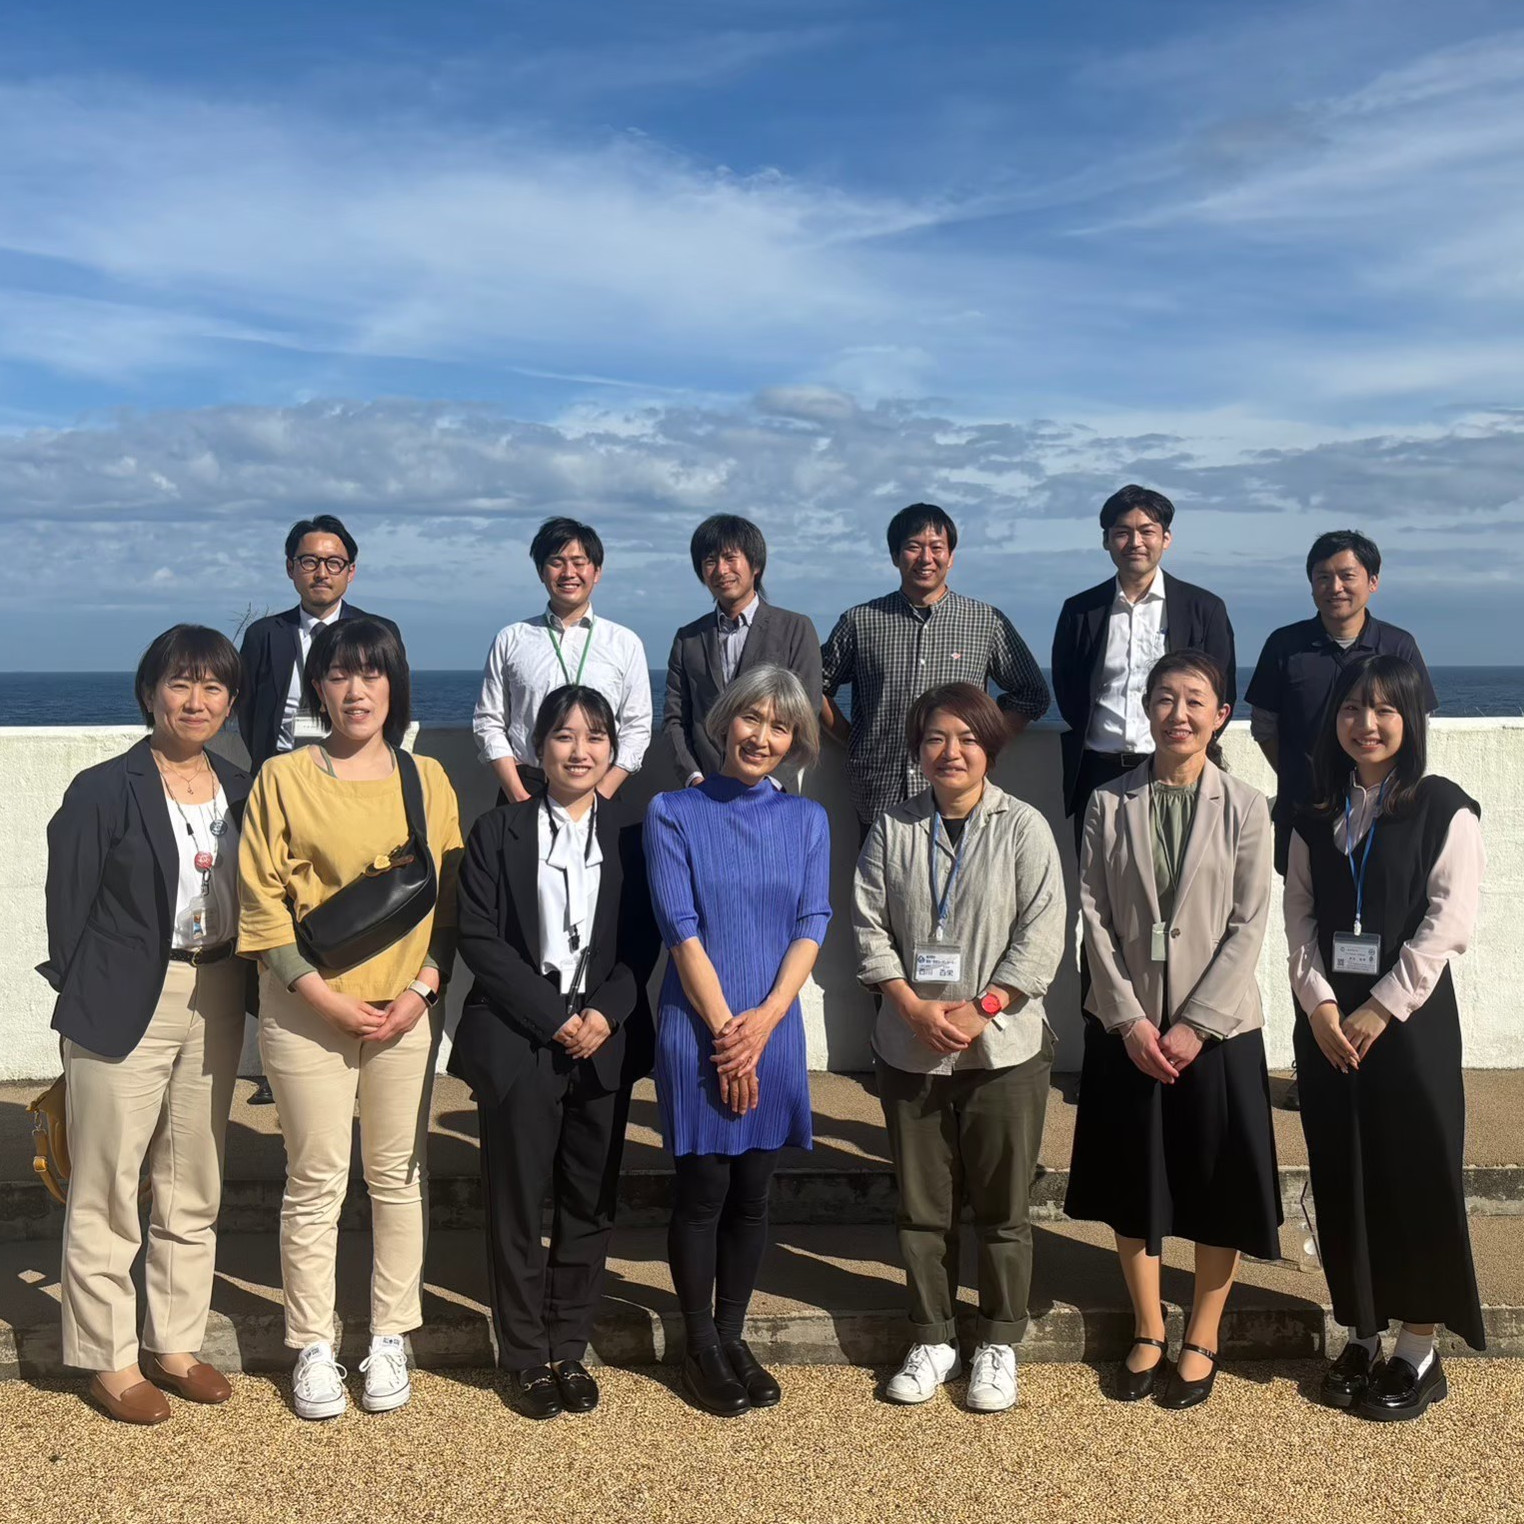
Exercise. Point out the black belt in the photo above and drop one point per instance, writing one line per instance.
(1123, 759)
(198, 957)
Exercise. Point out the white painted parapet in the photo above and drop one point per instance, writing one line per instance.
(1486, 757)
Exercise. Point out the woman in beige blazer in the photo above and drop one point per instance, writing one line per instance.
(1173, 1134)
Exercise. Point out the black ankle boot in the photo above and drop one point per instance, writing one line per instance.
(709, 1382)
(762, 1389)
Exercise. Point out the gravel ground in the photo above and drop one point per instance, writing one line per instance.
(829, 1455)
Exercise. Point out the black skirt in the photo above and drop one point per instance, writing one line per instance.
(1192, 1160)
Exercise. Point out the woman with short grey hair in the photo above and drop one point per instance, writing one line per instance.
(784, 695)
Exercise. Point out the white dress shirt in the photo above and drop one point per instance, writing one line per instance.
(570, 872)
(1135, 640)
(1455, 892)
(294, 725)
(523, 667)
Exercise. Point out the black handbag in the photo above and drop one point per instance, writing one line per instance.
(385, 903)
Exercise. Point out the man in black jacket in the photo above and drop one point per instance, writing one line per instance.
(320, 561)
(1110, 635)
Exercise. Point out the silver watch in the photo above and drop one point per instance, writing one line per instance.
(429, 997)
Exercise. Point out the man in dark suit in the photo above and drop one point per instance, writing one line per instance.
(1111, 634)
(320, 561)
(741, 632)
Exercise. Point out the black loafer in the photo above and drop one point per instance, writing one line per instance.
(579, 1392)
(762, 1389)
(710, 1383)
(536, 1394)
(1134, 1386)
(1398, 1393)
(1180, 1393)
(1346, 1380)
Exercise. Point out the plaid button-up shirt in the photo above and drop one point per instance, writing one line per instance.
(891, 652)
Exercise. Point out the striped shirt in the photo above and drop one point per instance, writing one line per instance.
(891, 652)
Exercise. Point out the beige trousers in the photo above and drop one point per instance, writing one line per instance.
(316, 1073)
(166, 1101)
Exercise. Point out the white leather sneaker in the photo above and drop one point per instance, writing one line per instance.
(385, 1370)
(992, 1379)
(926, 1367)
(317, 1385)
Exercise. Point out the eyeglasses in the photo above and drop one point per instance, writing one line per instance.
(333, 565)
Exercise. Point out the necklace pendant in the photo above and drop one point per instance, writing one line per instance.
(219, 826)
(204, 862)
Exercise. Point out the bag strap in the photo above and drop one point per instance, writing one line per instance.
(412, 797)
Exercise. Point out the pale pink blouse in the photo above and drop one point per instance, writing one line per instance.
(1455, 885)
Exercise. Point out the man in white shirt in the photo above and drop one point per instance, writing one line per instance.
(566, 644)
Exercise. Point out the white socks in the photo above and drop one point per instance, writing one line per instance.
(1416, 1349)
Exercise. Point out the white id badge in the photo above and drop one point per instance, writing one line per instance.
(1356, 955)
(938, 963)
(1158, 942)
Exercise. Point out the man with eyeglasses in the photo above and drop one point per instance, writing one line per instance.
(320, 561)
(1111, 634)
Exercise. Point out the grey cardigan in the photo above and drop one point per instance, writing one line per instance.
(1007, 913)
(1222, 906)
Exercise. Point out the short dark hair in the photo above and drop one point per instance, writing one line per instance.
(1393, 680)
(1336, 541)
(560, 702)
(556, 534)
(186, 650)
(971, 704)
(361, 645)
(728, 531)
(324, 523)
(913, 520)
(1125, 499)
(1202, 665)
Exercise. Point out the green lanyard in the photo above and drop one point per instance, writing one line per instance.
(587, 646)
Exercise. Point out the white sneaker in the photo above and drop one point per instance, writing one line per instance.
(926, 1367)
(317, 1386)
(385, 1370)
(992, 1379)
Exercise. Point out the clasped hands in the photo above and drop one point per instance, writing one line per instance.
(738, 1047)
(1163, 1058)
(584, 1033)
(359, 1018)
(945, 1026)
(1344, 1042)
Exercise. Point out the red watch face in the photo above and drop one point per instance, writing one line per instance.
(990, 1004)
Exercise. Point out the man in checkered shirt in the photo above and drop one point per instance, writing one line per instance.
(892, 649)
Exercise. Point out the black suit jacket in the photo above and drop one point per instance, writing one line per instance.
(1195, 620)
(513, 1009)
(113, 870)
(695, 676)
(269, 652)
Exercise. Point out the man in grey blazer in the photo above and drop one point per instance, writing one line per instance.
(742, 631)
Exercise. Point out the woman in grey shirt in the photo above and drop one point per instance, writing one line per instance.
(959, 913)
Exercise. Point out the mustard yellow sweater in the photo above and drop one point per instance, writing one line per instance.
(306, 834)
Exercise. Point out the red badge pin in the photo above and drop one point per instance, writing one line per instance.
(204, 861)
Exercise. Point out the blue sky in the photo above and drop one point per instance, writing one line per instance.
(446, 269)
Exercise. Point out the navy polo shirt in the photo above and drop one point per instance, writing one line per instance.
(1293, 680)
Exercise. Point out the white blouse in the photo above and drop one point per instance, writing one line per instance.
(1454, 888)
(220, 922)
(570, 873)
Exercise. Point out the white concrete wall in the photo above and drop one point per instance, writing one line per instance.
(1485, 756)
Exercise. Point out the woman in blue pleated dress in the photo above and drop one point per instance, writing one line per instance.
(739, 875)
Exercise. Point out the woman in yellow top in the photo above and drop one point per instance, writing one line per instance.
(316, 819)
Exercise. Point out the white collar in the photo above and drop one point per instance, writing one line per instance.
(743, 619)
(1155, 593)
(310, 622)
(553, 620)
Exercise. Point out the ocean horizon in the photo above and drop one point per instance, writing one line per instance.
(447, 697)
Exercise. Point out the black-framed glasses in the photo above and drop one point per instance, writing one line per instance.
(333, 565)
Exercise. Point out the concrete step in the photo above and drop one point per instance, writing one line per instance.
(826, 1295)
(846, 1178)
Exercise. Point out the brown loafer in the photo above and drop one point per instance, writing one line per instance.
(201, 1383)
(143, 1403)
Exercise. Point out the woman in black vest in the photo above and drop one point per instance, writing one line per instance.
(1381, 892)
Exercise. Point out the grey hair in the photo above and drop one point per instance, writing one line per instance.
(780, 691)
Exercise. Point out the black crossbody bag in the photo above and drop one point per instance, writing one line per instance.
(385, 903)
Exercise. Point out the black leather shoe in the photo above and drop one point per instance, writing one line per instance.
(536, 1394)
(1345, 1381)
(1399, 1393)
(579, 1392)
(1134, 1386)
(1179, 1393)
(762, 1389)
(710, 1383)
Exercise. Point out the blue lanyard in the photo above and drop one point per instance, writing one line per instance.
(952, 878)
(1365, 857)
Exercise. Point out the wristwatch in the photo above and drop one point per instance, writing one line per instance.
(989, 1003)
(429, 997)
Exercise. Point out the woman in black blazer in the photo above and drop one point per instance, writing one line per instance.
(556, 924)
(142, 911)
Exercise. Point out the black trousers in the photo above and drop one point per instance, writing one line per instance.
(558, 1134)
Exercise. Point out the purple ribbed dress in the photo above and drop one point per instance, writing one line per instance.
(747, 871)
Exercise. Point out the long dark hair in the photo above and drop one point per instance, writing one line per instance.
(1372, 679)
(1199, 664)
(361, 645)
